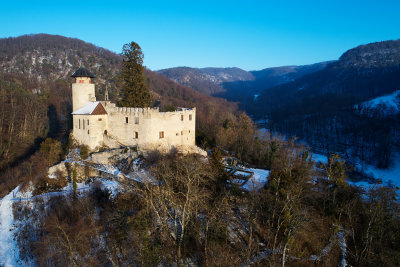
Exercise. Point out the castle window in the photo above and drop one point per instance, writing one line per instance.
(79, 123)
(181, 117)
(136, 120)
(83, 124)
(88, 122)
(136, 135)
(87, 131)
(126, 119)
(100, 119)
(190, 117)
(181, 132)
(161, 134)
(189, 131)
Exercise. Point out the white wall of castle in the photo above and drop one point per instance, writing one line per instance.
(151, 127)
(89, 129)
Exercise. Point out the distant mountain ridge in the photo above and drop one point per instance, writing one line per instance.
(206, 80)
(379, 54)
(234, 83)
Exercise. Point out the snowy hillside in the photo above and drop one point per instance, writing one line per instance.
(388, 104)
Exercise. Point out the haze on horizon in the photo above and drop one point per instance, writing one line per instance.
(250, 35)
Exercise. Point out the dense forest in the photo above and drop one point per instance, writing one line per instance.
(173, 209)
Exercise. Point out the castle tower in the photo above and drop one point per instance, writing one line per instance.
(83, 89)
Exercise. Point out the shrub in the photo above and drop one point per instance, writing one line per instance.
(52, 150)
(84, 151)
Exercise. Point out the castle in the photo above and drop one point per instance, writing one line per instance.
(103, 124)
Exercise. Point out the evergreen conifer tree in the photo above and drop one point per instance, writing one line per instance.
(134, 91)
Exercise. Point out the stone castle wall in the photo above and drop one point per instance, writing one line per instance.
(146, 127)
(89, 129)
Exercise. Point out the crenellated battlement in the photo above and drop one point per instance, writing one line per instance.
(112, 108)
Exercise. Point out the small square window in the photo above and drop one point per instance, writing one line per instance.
(100, 119)
(161, 134)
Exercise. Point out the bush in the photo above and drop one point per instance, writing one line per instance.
(52, 150)
(84, 151)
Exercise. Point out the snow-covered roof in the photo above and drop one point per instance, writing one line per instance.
(91, 108)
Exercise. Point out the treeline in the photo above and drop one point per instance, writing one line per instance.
(188, 210)
(12, 46)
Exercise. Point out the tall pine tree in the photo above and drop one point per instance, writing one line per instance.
(134, 91)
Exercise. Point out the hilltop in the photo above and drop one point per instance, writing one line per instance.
(35, 86)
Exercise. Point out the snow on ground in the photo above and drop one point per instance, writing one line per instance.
(9, 253)
(343, 247)
(319, 158)
(390, 175)
(112, 185)
(258, 180)
(389, 103)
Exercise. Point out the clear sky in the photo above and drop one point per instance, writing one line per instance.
(248, 34)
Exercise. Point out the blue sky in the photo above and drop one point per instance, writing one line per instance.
(248, 34)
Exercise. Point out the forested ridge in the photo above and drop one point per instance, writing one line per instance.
(325, 108)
